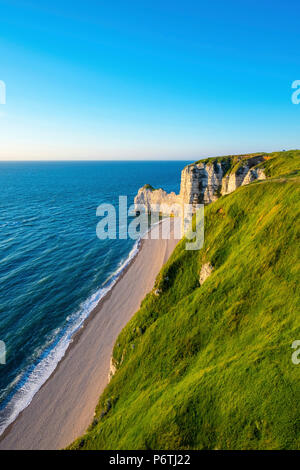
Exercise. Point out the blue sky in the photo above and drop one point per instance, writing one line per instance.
(147, 79)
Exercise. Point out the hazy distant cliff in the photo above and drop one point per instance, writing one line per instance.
(205, 181)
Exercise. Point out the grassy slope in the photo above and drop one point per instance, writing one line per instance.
(232, 159)
(210, 367)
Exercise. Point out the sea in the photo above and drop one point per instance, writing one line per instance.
(53, 267)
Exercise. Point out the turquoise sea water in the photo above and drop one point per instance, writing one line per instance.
(53, 268)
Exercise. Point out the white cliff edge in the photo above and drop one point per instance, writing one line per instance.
(202, 183)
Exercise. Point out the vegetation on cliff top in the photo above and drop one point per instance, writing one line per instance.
(210, 367)
(148, 186)
(233, 159)
(275, 163)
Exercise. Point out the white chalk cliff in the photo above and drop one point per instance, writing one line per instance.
(204, 182)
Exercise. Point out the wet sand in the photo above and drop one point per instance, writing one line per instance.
(64, 407)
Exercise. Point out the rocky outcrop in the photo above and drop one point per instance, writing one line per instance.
(158, 200)
(254, 174)
(205, 272)
(203, 182)
(206, 182)
(243, 174)
(112, 369)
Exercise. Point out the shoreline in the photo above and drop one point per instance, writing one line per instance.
(116, 276)
(75, 338)
(64, 406)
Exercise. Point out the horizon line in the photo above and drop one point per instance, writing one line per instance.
(143, 159)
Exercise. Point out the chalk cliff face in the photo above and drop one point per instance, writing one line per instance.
(157, 200)
(204, 182)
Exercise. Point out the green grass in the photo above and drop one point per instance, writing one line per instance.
(210, 367)
(232, 159)
(282, 164)
(275, 164)
(230, 162)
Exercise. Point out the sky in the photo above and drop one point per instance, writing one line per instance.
(147, 79)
